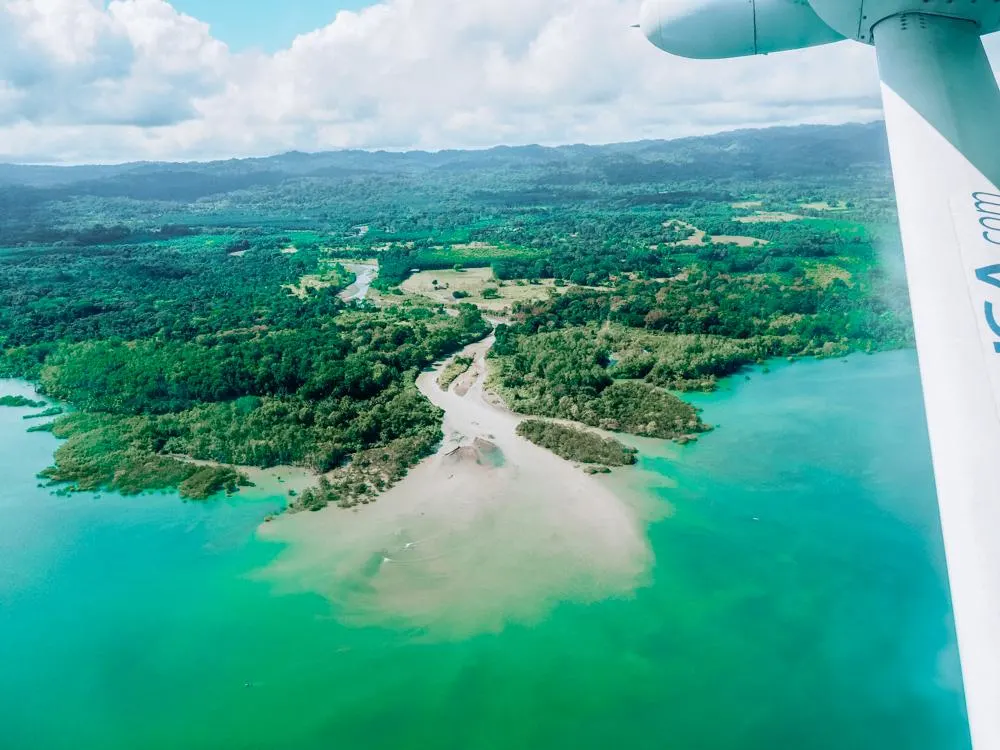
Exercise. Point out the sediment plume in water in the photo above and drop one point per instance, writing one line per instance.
(491, 530)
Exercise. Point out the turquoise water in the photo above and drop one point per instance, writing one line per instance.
(799, 600)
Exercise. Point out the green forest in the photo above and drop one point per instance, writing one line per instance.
(575, 444)
(190, 316)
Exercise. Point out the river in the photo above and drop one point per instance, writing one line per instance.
(796, 599)
(366, 273)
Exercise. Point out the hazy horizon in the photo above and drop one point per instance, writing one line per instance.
(402, 151)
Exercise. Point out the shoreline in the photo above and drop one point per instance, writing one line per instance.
(467, 390)
(276, 481)
(267, 483)
(489, 511)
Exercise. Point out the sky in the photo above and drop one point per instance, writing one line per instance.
(85, 81)
(266, 25)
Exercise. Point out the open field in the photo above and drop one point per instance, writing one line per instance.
(768, 217)
(824, 274)
(440, 286)
(732, 239)
(697, 239)
(825, 206)
(700, 238)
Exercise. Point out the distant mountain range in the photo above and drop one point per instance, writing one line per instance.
(339, 189)
(801, 150)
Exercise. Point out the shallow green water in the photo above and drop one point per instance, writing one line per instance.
(799, 601)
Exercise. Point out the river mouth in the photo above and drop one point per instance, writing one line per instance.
(490, 531)
(798, 599)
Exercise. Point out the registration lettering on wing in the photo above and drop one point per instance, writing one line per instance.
(986, 207)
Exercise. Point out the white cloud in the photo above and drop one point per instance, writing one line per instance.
(71, 63)
(85, 80)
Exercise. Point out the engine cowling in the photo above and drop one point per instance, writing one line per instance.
(709, 29)
(857, 20)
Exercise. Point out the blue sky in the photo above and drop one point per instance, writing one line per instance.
(268, 25)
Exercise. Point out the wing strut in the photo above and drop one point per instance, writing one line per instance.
(942, 111)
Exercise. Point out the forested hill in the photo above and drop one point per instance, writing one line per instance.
(35, 196)
(196, 310)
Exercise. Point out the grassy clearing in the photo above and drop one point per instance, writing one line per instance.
(825, 206)
(700, 238)
(732, 239)
(824, 274)
(476, 286)
(768, 217)
(696, 239)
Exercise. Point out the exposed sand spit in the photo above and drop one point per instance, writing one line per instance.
(481, 453)
(490, 530)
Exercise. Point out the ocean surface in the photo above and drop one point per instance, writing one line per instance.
(799, 600)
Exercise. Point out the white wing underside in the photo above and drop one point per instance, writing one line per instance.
(942, 111)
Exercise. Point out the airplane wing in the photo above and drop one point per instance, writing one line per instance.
(942, 112)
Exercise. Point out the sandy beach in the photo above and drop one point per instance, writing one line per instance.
(489, 531)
